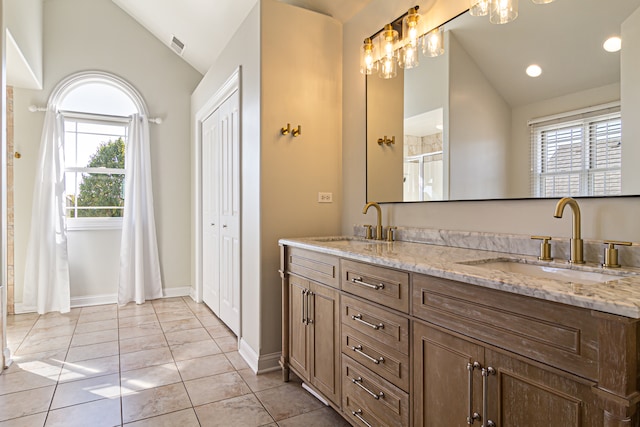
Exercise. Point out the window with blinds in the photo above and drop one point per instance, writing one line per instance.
(577, 154)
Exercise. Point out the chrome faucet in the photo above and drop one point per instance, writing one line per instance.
(379, 223)
(576, 240)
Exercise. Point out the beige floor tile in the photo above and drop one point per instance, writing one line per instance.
(73, 371)
(88, 390)
(47, 364)
(140, 330)
(236, 360)
(133, 321)
(35, 420)
(16, 335)
(44, 345)
(99, 309)
(21, 320)
(196, 349)
(324, 417)
(183, 337)
(49, 322)
(262, 381)
(94, 337)
(183, 418)
(171, 316)
(102, 325)
(219, 331)
(181, 325)
(208, 319)
(133, 309)
(217, 387)
(151, 377)
(227, 344)
(23, 403)
(92, 351)
(53, 331)
(177, 306)
(245, 411)
(145, 358)
(98, 316)
(147, 342)
(154, 402)
(21, 381)
(204, 366)
(101, 413)
(288, 401)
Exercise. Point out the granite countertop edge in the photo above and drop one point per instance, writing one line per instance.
(619, 297)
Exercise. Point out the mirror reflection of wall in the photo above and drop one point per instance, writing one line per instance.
(492, 110)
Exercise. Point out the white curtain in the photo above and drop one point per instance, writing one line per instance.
(139, 262)
(46, 281)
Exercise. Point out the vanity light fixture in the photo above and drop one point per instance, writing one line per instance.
(388, 40)
(433, 42)
(368, 63)
(479, 8)
(503, 11)
(542, 1)
(612, 44)
(534, 70)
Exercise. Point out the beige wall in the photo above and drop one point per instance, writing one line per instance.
(630, 81)
(23, 19)
(602, 218)
(98, 35)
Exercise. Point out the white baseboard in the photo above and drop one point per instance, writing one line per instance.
(89, 300)
(259, 364)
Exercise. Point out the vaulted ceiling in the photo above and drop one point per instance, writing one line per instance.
(205, 26)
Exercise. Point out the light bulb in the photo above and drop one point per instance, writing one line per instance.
(503, 11)
(612, 44)
(479, 7)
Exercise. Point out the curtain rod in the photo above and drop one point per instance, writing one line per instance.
(76, 114)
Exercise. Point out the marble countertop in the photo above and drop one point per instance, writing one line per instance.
(618, 295)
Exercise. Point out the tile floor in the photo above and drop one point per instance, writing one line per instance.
(168, 362)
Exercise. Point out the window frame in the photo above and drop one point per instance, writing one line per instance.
(585, 121)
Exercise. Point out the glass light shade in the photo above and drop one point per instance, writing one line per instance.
(388, 67)
(367, 57)
(479, 7)
(433, 42)
(388, 40)
(503, 11)
(542, 1)
(411, 27)
(409, 56)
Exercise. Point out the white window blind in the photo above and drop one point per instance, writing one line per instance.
(577, 155)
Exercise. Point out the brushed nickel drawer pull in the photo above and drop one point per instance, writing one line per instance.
(358, 349)
(310, 295)
(358, 318)
(358, 382)
(358, 281)
(485, 399)
(303, 303)
(472, 416)
(358, 415)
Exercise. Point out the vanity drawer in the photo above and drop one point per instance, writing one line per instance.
(385, 361)
(557, 334)
(388, 328)
(315, 266)
(365, 391)
(378, 284)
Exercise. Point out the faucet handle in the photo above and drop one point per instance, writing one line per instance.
(390, 232)
(611, 253)
(545, 248)
(369, 234)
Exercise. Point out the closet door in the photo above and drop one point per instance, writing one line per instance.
(211, 213)
(230, 213)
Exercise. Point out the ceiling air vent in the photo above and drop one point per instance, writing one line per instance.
(177, 45)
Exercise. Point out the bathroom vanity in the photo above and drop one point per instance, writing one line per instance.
(414, 334)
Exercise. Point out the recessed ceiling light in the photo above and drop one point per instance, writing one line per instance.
(612, 44)
(534, 70)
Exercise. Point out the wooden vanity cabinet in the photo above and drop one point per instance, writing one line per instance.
(314, 323)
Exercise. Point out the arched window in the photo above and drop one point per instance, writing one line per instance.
(96, 109)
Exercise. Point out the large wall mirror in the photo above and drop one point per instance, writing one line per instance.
(472, 125)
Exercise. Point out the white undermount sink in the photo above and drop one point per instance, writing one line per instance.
(544, 271)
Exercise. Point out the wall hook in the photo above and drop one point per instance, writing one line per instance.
(17, 155)
(297, 132)
(285, 131)
(386, 140)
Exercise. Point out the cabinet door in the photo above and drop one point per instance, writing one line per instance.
(325, 340)
(524, 395)
(441, 378)
(298, 336)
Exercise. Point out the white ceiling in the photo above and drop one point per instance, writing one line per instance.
(206, 26)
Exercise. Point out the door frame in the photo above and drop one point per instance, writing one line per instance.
(231, 85)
